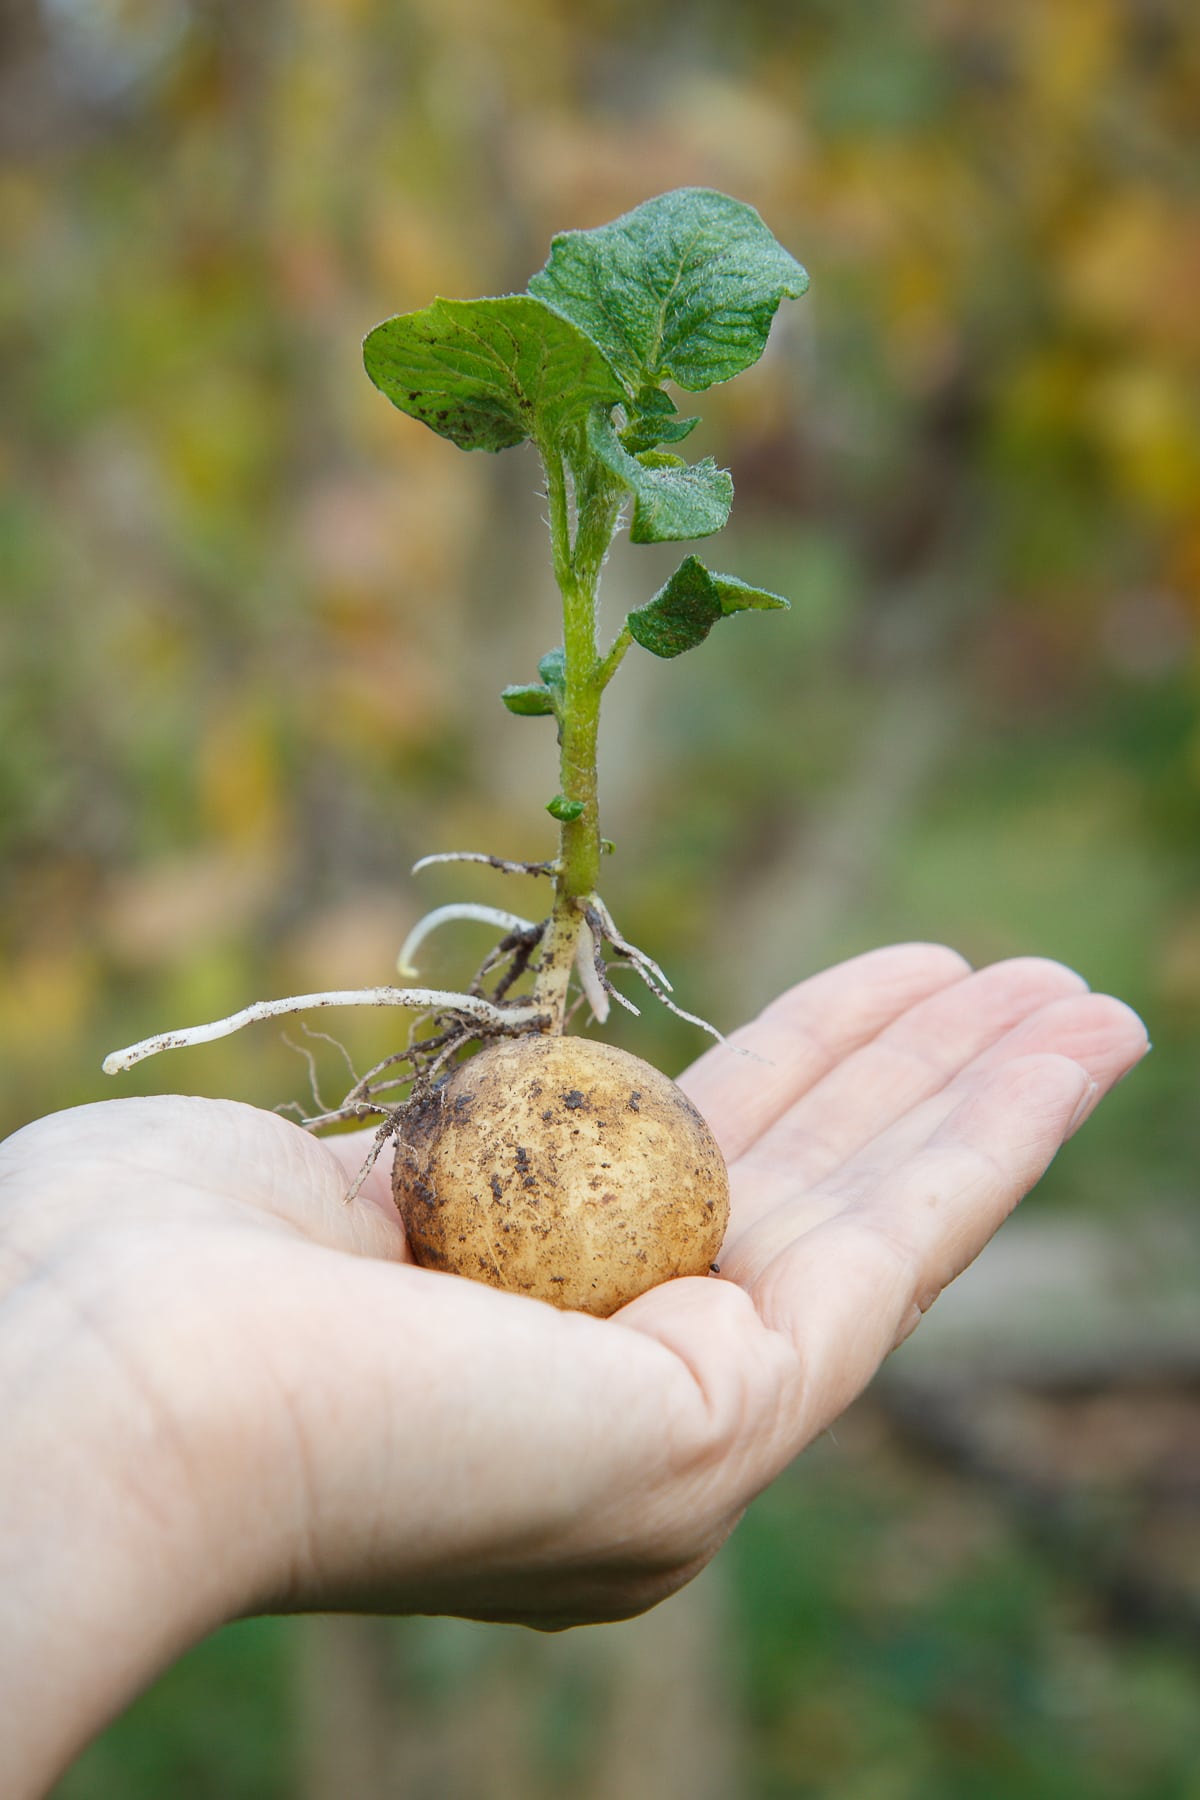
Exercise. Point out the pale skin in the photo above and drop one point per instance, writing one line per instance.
(226, 1391)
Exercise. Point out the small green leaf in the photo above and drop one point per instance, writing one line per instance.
(739, 596)
(685, 286)
(681, 614)
(553, 671)
(650, 420)
(671, 499)
(668, 431)
(489, 373)
(653, 400)
(529, 701)
(688, 605)
(564, 810)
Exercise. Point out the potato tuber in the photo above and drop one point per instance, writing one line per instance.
(562, 1168)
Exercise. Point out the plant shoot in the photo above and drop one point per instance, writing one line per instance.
(547, 1164)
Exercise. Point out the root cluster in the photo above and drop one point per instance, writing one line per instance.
(447, 1024)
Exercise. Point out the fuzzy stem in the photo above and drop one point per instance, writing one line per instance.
(612, 661)
(577, 568)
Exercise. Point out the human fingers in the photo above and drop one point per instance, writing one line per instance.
(807, 1031)
(222, 1154)
(846, 1290)
(1104, 1037)
(923, 1049)
(1100, 1035)
(365, 1161)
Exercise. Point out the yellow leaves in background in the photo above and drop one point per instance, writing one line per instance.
(1066, 53)
(1150, 429)
(239, 783)
(45, 998)
(217, 436)
(1182, 563)
(1136, 415)
(1130, 263)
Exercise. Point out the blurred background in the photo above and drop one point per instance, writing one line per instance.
(252, 630)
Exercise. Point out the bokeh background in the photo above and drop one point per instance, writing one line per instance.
(252, 627)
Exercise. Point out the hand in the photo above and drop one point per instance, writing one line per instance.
(229, 1391)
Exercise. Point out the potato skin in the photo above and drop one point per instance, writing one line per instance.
(561, 1168)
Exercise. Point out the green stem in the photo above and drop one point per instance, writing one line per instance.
(577, 570)
(612, 661)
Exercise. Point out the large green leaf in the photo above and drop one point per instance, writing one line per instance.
(489, 373)
(671, 499)
(684, 286)
(688, 605)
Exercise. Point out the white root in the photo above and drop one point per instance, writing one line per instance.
(679, 1012)
(595, 974)
(443, 915)
(589, 977)
(386, 1131)
(647, 968)
(481, 856)
(497, 1018)
(638, 958)
(314, 1086)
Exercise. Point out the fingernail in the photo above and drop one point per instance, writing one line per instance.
(1086, 1101)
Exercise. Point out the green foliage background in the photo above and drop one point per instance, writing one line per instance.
(254, 623)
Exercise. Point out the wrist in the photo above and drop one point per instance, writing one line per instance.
(113, 1539)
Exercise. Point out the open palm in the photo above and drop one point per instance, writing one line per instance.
(276, 1379)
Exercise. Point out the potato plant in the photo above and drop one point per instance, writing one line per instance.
(549, 1164)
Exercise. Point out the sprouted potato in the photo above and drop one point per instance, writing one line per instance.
(522, 1157)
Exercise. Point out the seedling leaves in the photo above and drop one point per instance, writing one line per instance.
(534, 699)
(553, 671)
(489, 373)
(651, 419)
(738, 596)
(685, 286)
(688, 605)
(530, 700)
(671, 499)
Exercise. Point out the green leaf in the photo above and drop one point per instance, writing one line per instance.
(738, 596)
(688, 605)
(681, 614)
(665, 431)
(671, 499)
(489, 373)
(553, 671)
(650, 420)
(529, 701)
(684, 286)
(564, 810)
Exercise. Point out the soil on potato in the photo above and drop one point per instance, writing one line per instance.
(564, 1169)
